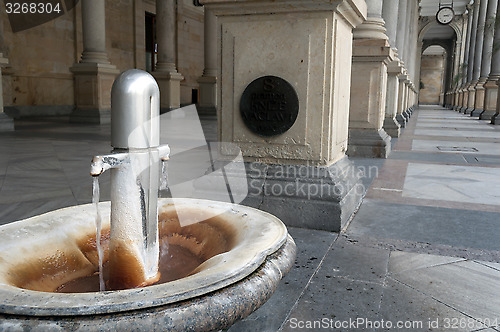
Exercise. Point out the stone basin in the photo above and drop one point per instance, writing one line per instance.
(244, 253)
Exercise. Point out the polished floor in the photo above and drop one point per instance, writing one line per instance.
(422, 251)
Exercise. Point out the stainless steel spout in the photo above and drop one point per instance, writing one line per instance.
(135, 171)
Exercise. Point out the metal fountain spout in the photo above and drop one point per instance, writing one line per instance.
(135, 170)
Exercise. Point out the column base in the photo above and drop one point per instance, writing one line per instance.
(322, 198)
(476, 112)
(407, 114)
(91, 116)
(170, 89)
(495, 119)
(93, 83)
(206, 111)
(487, 115)
(6, 123)
(401, 120)
(368, 143)
(208, 95)
(392, 127)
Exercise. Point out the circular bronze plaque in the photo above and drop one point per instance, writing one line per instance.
(269, 106)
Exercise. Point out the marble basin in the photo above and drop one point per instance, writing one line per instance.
(244, 252)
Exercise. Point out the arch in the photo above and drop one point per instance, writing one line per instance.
(431, 22)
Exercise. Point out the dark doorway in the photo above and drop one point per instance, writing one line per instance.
(151, 49)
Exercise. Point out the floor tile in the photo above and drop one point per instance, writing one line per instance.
(453, 183)
(471, 147)
(468, 287)
(419, 312)
(404, 261)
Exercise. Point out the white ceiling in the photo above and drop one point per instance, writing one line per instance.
(430, 7)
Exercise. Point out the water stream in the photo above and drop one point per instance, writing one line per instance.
(164, 176)
(98, 225)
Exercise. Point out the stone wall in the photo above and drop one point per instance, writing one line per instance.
(431, 78)
(39, 58)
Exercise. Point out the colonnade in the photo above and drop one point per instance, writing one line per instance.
(94, 73)
(384, 71)
(478, 78)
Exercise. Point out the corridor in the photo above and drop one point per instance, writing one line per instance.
(422, 250)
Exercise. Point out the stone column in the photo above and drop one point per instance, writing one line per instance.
(394, 68)
(6, 123)
(94, 74)
(401, 115)
(391, 124)
(478, 54)
(463, 89)
(165, 72)
(208, 82)
(470, 64)
(488, 28)
(401, 28)
(458, 59)
(287, 108)
(491, 88)
(371, 55)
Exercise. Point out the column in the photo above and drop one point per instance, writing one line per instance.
(208, 82)
(165, 73)
(371, 55)
(401, 115)
(410, 60)
(94, 74)
(458, 59)
(401, 28)
(463, 89)
(488, 28)
(6, 123)
(470, 64)
(478, 53)
(491, 37)
(394, 68)
(391, 124)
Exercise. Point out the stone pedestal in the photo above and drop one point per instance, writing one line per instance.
(6, 123)
(305, 45)
(93, 82)
(465, 98)
(169, 83)
(208, 95)
(479, 98)
(490, 99)
(366, 116)
(391, 125)
(471, 100)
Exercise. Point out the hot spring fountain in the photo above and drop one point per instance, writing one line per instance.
(224, 260)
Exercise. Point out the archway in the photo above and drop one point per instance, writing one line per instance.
(432, 75)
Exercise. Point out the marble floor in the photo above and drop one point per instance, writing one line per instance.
(422, 250)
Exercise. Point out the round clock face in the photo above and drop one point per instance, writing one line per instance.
(445, 15)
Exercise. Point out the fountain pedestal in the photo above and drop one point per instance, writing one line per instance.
(291, 124)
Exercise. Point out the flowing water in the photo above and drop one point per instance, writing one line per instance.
(98, 225)
(164, 177)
